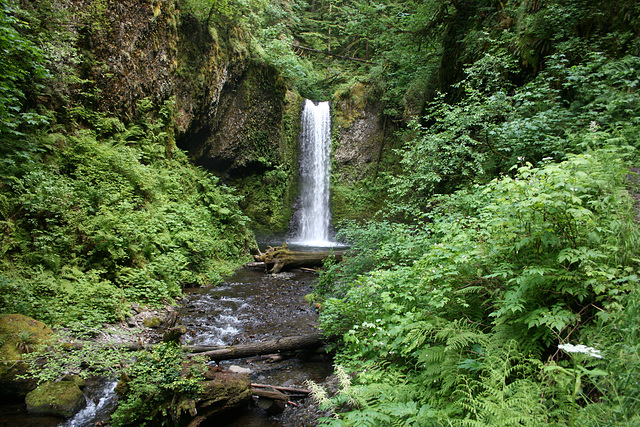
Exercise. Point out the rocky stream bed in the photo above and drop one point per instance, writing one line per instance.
(249, 307)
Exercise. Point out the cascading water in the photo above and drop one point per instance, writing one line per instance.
(314, 216)
(101, 402)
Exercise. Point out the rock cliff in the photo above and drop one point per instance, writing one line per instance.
(233, 115)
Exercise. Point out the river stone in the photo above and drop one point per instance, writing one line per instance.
(60, 399)
(174, 334)
(152, 322)
(18, 334)
(239, 369)
(224, 392)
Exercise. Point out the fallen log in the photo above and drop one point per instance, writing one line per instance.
(222, 352)
(279, 258)
(287, 390)
(257, 264)
(279, 345)
(269, 394)
(274, 399)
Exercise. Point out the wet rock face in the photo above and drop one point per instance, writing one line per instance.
(231, 114)
(359, 143)
(228, 111)
(244, 132)
(358, 134)
(131, 53)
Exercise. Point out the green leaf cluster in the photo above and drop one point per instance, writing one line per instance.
(22, 65)
(157, 387)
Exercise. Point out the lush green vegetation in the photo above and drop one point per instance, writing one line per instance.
(160, 387)
(452, 314)
(96, 213)
(510, 233)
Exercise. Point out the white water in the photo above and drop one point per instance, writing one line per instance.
(100, 403)
(314, 217)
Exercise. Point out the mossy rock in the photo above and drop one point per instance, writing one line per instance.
(60, 399)
(19, 334)
(152, 322)
(224, 391)
(174, 334)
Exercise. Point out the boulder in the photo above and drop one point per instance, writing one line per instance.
(60, 399)
(18, 335)
(173, 334)
(223, 391)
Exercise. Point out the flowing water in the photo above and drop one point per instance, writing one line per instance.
(250, 306)
(314, 217)
(101, 401)
(254, 306)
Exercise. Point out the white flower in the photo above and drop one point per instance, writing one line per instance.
(581, 348)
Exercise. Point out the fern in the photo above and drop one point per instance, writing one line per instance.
(504, 393)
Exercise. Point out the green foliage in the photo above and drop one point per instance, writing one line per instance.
(57, 359)
(220, 13)
(22, 64)
(503, 274)
(101, 222)
(494, 127)
(618, 390)
(373, 245)
(156, 384)
(505, 393)
(390, 402)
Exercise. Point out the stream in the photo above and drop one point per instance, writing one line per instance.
(249, 306)
(253, 306)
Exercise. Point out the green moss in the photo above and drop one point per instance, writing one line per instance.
(152, 322)
(18, 334)
(349, 105)
(355, 201)
(270, 193)
(62, 398)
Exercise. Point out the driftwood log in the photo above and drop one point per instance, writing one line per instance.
(277, 259)
(274, 399)
(239, 351)
(221, 352)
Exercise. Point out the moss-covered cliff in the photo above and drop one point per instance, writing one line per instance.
(234, 114)
(362, 143)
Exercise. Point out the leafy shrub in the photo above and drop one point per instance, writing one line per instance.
(156, 385)
(495, 127)
(543, 255)
(102, 222)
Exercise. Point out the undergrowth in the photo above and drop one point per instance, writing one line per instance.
(99, 218)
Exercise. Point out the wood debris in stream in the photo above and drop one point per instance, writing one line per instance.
(274, 399)
(276, 259)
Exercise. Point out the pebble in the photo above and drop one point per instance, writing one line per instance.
(239, 369)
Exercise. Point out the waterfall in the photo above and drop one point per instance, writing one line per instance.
(314, 216)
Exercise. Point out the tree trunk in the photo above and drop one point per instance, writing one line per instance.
(259, 348)
(277, 259)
